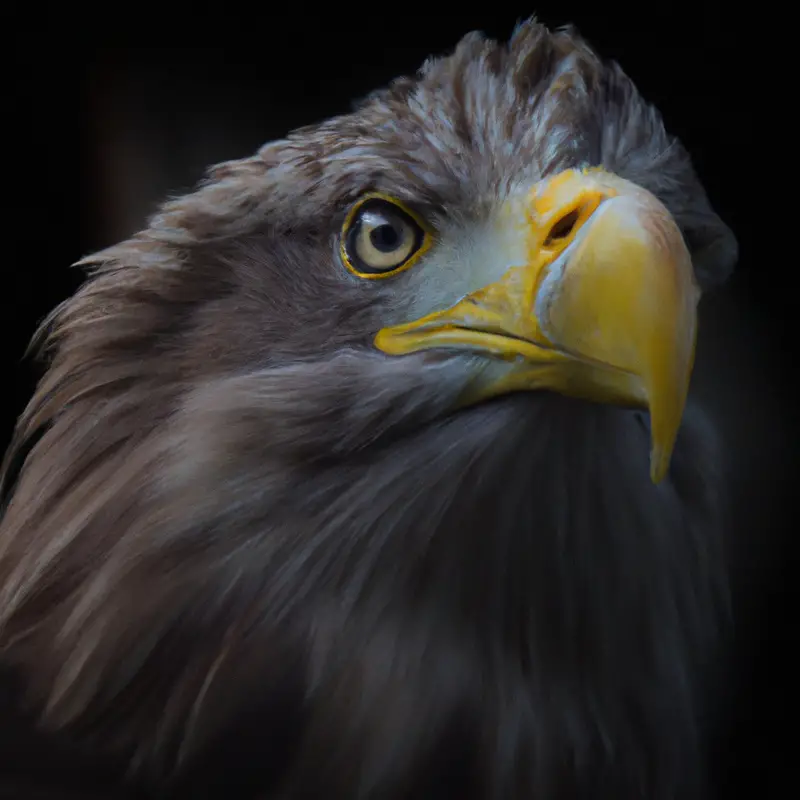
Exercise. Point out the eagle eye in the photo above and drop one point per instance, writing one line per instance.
(381, 237)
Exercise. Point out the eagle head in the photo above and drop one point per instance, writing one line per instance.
(383, 432)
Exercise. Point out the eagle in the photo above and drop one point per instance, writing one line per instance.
(368, 469)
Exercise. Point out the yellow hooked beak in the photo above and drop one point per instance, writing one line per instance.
(604, 306)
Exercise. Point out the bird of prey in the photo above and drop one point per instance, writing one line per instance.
(366, 470)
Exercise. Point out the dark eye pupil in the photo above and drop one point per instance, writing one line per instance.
(384, 238)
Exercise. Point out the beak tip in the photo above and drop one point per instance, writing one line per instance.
(659, 464)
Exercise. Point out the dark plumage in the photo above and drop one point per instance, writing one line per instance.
(245, 524)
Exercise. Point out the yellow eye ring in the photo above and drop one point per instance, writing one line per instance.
(382, 237)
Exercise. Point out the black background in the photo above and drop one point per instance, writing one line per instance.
(112, 109)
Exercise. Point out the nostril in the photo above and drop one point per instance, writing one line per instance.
(563, 227)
